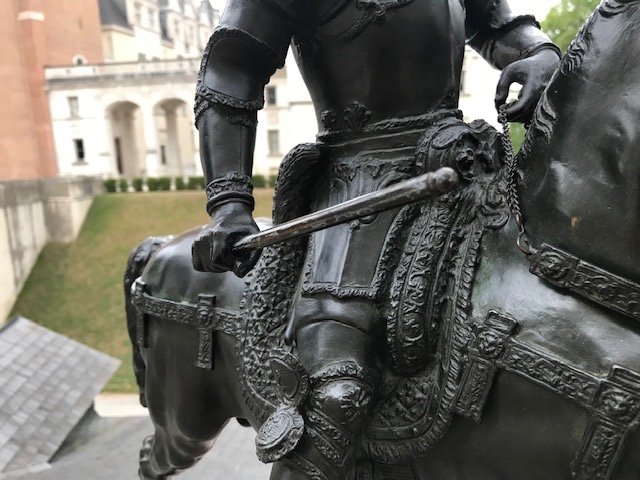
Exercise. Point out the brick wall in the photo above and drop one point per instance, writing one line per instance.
(35, 33)
(72, 27)
(19, 156)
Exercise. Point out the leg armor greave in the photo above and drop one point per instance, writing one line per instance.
(338, 408)
(343, 368)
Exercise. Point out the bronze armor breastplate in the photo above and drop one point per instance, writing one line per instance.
(397, 58)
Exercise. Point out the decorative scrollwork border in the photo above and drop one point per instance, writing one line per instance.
(204, 316)
(613, 403)
(587, 280)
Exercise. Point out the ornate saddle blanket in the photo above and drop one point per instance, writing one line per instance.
(426, 297)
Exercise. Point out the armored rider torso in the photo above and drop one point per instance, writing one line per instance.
(368, 62)
(397, 58)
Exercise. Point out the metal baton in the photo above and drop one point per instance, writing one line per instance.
(431, 184)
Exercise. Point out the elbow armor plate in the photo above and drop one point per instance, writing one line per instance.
(235, 68)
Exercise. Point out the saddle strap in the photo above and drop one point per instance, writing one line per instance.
(586, 280)
(612, 403)
(204, 316)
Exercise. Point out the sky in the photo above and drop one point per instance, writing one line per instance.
(539, 8)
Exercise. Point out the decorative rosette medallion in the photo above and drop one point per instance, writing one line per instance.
(280, 434)
(282, 431)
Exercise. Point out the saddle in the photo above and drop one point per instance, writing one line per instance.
(427, 294)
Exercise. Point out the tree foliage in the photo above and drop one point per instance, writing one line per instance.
(564, 21)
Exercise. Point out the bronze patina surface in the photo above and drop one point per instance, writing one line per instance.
(415, 341)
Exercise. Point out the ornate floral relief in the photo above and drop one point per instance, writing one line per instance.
(600, 451)
(201, 315)
(279, 434)
(379, 8)
(564, 380)
(356, 116)
(616, 411)
(587, 280)
(329, 120)
(204, 316)
(417, 428)
(374, 11)
(614, 402)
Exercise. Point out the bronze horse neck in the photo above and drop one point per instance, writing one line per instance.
(581, 158)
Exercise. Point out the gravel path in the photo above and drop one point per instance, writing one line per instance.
(105, 448)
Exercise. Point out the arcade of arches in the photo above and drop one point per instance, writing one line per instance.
(172, 148)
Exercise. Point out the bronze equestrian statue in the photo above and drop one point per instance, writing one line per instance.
(418, 342)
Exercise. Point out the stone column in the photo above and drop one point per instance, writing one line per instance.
(174, 153)
(150, 145)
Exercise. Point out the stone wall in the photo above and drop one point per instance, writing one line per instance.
(32, 214)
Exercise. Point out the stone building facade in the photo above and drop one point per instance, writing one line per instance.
(132, 115)
(141, 30)
(132, 63)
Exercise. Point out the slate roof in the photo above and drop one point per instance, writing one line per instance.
(47, 383)
(113, 12)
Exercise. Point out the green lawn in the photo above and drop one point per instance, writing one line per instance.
(76, 288)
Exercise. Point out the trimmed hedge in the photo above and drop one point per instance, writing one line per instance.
(123, 185)
(164, 183)
(110, 185)
(272, 181)
(259, 181)
(137, 184)
(157, 184)
(195, 183)
(181, 184)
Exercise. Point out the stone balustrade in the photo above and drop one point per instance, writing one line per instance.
(179, 66)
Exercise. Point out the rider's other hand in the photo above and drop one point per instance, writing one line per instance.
(212, 249)
(533, 73)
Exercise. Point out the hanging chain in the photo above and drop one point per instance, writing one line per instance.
(512, 183)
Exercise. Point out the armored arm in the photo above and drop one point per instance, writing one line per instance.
(502, 37)
(244, 51)
(515, 45)
(247, 47)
